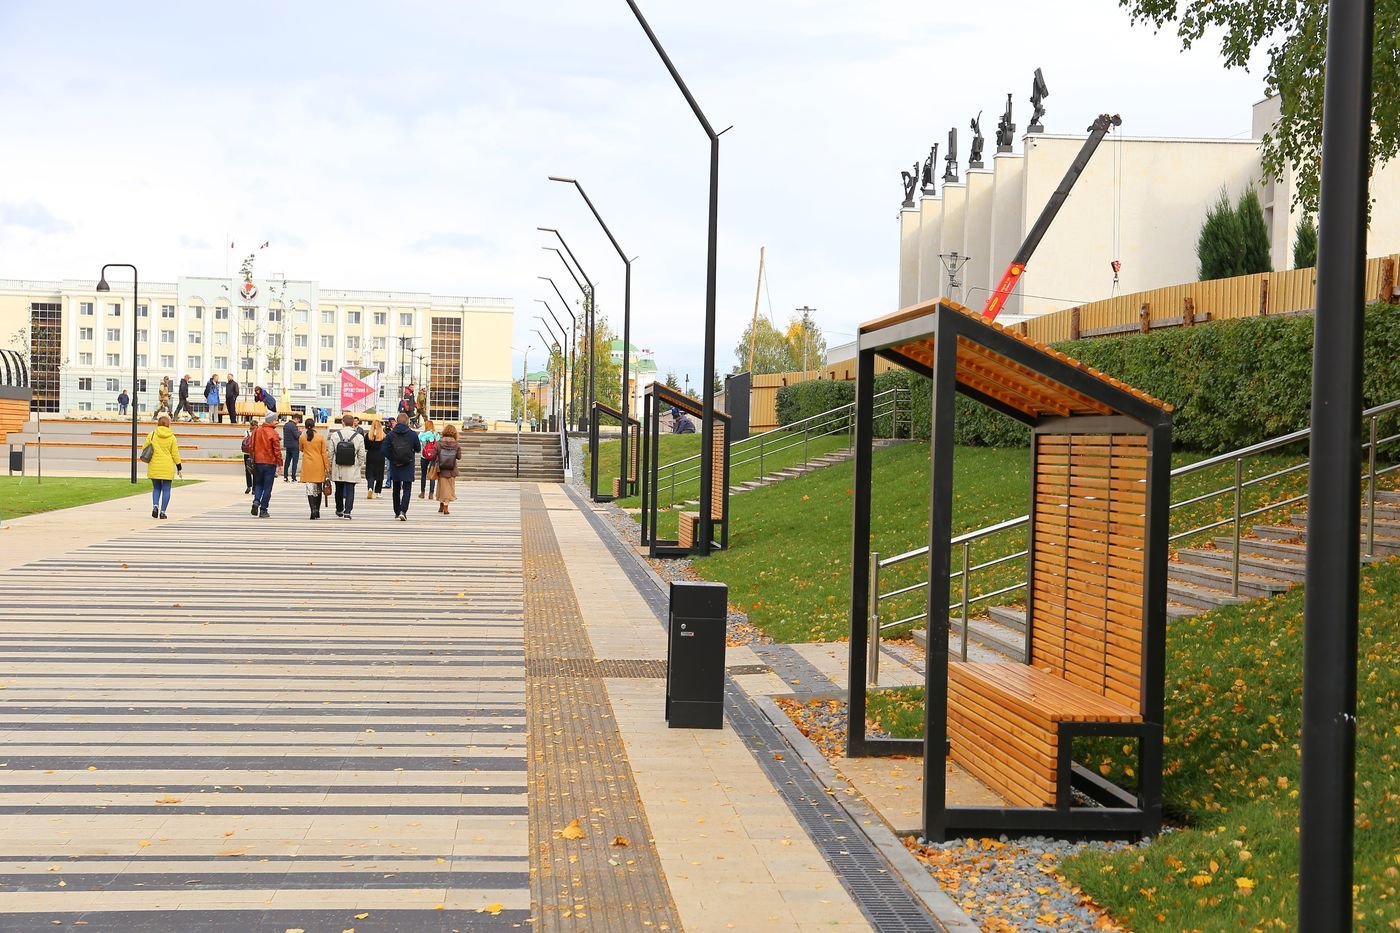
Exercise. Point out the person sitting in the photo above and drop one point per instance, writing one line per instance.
(681, 423)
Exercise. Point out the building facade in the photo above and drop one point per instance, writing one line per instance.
(1140, 202)
(641, 372)
(289, 336)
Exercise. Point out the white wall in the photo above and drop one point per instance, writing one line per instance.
(908, 257)
(977, 237)
(930, 232)
(1007, 194)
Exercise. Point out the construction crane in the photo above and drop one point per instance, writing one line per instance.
(1097, 131)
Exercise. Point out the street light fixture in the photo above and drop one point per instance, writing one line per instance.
(102, 286)
(554, 344)
(568, 357)
(589, 319)
(626, 326)
(707, 490)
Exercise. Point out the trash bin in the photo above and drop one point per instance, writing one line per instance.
(695, 655)
(16, 459)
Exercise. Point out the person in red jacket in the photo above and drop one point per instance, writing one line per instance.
(267, 457)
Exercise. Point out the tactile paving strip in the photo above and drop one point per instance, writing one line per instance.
(596, 668)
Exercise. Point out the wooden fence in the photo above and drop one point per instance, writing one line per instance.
(1196, 302)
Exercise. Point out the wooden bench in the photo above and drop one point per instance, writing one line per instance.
(687, 525)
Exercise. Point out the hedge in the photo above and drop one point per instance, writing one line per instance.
(1232, 383)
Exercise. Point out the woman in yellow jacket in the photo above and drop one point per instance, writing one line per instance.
(162, 465)
(315, 466)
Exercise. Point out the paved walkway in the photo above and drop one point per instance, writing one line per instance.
(227, 723)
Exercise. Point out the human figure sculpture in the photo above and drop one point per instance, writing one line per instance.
(926, 179)
(950, 161)
(911, 181)
(1039, 92)
(1006, 130)
(974, 158)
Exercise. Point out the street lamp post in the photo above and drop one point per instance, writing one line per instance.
(573, 337)
(567, 357)
(556, 344)
(102, 286)
(547, 343)
(707, 491)
(591, 311)
(626, 325)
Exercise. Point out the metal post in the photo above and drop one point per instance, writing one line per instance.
(873, 664)
(1328, 784)
(760, 456)
(1371, 493)
(1235, 558)
(966, 547)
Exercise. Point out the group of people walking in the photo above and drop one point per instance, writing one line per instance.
(215, 408)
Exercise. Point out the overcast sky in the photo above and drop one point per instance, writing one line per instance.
(406, 145)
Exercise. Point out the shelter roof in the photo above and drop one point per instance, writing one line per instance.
(672, 398)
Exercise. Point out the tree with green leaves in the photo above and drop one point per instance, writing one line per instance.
(1295, 34)
(1220, 247)
(806, 344)
(607, 385)
(1305, 243)
(1255, 234)
(672, 382)
(771, 350)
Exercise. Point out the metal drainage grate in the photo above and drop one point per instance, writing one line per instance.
(591, 668)
(742, 669)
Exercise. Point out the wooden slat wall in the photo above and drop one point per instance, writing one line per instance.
(14, 414)
(634, 444)
(717, 465)
(1240, 296)
(1087, 575)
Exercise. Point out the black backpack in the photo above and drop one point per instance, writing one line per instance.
(401, 448)
(447, 457)
(345, 450)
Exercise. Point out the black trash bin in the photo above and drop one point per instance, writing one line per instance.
(17, 460)
(695, 655)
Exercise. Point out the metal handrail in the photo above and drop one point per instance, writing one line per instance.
(1237, 517)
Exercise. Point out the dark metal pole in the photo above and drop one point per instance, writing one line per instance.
(1327, 817)
(707, 416)
(592, 297)
(565, 356)
(573, 340)
(102, 286)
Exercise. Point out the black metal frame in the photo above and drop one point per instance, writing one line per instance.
(629, 486)
(660, 396)
(1122, 814)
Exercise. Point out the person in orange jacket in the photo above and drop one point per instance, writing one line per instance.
(267, 458)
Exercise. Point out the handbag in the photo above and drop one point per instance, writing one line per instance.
(433, 471)
(147, 452)
(327, 489)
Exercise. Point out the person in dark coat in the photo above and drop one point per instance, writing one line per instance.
(291, 450)
(231, 399)
(401, 447)
(374, 459)
(184, 403)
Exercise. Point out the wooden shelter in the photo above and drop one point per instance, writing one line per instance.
(1096, 594)
(690, 537)
(634, 430)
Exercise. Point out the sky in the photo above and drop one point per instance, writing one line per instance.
(407, 146)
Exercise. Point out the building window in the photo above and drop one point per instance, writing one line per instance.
(167, 336)
(327, 317)
(196, 312)
(194, 336)
(141, 335)
(84, 333)
(221, 362)
(84, 359)
(167, 361)
(328, 366)
(248, 339)
(352, 343)
(274, 340)
(85, 384)
(298, 366)
(141, 384)
(406, 319)
(140, 361)
(114, 333)
(114, 309)
(445, 369)
(220, 339)
(87, 406)
(250, 313)
(303, 316)
(381, 317)
(299, 340)
(352, 317)
(195, 363)
(85, 308)
(113, 385)
(246, 363)
(274, 314)
(298, 387)
(114, 359)
(167, 311)
(379, 343)
(143, 310)
(221, 314)
(326, 389)
(327, 341)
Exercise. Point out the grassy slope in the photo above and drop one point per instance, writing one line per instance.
(20, 496)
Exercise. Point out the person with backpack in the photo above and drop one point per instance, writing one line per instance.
(374, 459)
(267, 457)
(348, 459)
(291, 445)
(446, 458)
(427, 439)
(211, 399)
(246, 445)
(315, 466)
(401, 448)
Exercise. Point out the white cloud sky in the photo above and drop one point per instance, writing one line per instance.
(406, 146)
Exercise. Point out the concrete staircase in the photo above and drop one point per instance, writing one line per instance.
(1272, 561)
(488, 455)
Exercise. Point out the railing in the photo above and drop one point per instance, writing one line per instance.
(564, 446)
(892, 404)
(1238, 515)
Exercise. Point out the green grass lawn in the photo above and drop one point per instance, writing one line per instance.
(788, 566)
(21, 496)
(1233, 721)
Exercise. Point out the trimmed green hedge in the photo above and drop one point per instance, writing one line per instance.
(1231, 383)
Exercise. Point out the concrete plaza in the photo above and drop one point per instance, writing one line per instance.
(219, 722)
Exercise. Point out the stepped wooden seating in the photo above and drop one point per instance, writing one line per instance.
(633, 434)
(660, 398)
(1096, 591)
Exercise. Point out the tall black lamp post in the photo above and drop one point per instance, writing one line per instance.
(589, 320)
(707, 491)
(553, 345)
(102, 286)
(573, 344)
(568, 358)
(548, 345)
(626, 324)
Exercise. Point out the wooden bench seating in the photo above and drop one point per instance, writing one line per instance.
(1003, 722)
(687, 524)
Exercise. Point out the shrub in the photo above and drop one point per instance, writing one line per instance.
(1256, 256)
(1221, 243)
(1305, 243)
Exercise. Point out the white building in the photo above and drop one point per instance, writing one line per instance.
(286, 335)
(1140, 201)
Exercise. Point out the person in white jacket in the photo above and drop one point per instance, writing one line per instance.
(347, 463)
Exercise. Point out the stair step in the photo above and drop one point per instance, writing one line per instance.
(1388, 495)
(1200, 597)
(1176, 610)
(981, 632)
(1251, 584)
(1384, 528)
(1284, 569)
(1011, 618)
(1386, 545)
(1269, 547)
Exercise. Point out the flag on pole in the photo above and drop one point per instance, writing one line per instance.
(359, 389)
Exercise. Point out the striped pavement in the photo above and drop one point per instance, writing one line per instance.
(230, 723)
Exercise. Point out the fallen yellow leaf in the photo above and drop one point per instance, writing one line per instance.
(621, 841)
(1244, 884)
(572, 831)
(362, 916)
(492, 909)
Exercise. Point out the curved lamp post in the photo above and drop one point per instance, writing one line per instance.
(707, 491)
(102, 286)
(626, 322)
(567, 357)
(592, 295)
(553, 345)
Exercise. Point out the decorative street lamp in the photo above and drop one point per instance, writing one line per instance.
(707, 490)
(626, 323)
(568, 357)
(574, 335)
(554, 345)
(592, 295)
(102, 286)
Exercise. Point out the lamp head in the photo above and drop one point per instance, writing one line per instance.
(546, 230)
(102, 286)
(567, 181)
